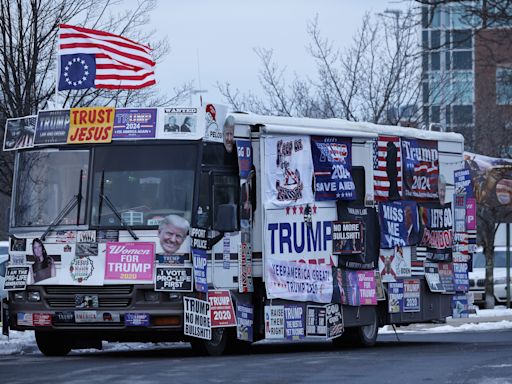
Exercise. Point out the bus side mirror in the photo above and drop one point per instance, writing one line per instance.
(226, 218)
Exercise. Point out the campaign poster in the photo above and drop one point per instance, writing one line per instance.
(395, 263)
(288, 171)
(420, 168)
(135, 123)
(130, 262)
(334, 320)
(173, 279)
(176, 122)
(387, 168)
(433, 278)
(379, 287)
(347, 237)
(244, 153)
(215, 117)
(16, 278)
(460, 276)
(82, 270)
(412, 295)
(90, 125)
(294, 322)
(316, 325)
(447, 277)
(200, 261)
(298, 281)
(399, 225)
(52, 127)
(367, 289)
(19, 133)
(351, 287)
(459, 212)
(460, 249)
(86, 244)
(368, 218)
(221, 309)
(274, 321)
(245, 322)
(395, 296)
(197, 318)
(460, 306)
(437, 234)
(470, 213)
(332, 161)
(462, 182)
(245, 282)
(288, 237)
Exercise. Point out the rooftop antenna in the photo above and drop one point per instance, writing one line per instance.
(199, 90)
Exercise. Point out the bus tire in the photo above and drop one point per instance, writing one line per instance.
(214, 347)
(363, 336)
(52, 344)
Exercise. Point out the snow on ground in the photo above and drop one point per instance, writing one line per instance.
(20, 343)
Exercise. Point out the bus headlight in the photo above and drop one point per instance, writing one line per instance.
(33, 296)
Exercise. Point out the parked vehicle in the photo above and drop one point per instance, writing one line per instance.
(217, 235)
(477, 277)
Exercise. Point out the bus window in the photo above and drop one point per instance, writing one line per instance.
(46, 181)
(225, 192)
(145, 183)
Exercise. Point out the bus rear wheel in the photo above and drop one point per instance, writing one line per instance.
(214, 347)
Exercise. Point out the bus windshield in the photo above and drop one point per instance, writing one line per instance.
(46, 181)
(144, 183)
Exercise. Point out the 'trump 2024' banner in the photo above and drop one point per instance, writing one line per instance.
(420, 168)
(332, 159)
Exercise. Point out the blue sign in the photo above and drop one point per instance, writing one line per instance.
(244, 320)
(294, 328)
(462, 181)
(135, 123)
(77, 71)
(460, 306)
(399, 224)
(460, 277)
(396, 296)
(332, 160)
(200, 265)
(244, 152)
(136, 319)
(420, 168)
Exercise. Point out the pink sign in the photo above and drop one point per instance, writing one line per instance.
(129, 262)
(470, 214)
(367, 287)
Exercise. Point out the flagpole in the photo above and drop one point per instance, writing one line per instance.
(57, 68)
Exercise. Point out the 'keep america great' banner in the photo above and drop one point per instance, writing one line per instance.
(420, 168)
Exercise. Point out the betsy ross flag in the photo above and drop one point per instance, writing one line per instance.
(97, 59)
(387, 168)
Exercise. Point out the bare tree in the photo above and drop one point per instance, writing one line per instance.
(363, 82)
(28, 33)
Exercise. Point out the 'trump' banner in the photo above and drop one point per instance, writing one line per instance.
(332, 159)
(420, 160)
(289, 171)
(398, 224)
(298, 281)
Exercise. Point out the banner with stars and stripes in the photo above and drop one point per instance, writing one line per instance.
(387, 168)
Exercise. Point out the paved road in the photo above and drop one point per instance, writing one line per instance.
(478, 357)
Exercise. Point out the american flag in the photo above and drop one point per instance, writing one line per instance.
(380, 177)
(97, 59)
(418, 258)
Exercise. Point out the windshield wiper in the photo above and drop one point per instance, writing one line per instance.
(75, 201)
(112, 207)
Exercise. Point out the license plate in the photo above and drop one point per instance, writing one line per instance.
(86, 301)
(86, 316)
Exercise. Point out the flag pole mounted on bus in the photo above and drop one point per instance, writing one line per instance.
(90, 58)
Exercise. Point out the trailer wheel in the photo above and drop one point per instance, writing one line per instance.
(52, 344)
(214, 347)
(364, 336)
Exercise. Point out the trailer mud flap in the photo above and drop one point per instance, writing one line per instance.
(4, 310)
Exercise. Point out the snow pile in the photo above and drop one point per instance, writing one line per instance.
(18, 343)
(499, 310)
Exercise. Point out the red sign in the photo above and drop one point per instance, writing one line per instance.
(42, 320)
(221, 309)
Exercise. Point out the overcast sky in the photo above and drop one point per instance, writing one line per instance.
(220, 35)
